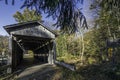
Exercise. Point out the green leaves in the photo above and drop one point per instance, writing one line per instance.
(27, 15)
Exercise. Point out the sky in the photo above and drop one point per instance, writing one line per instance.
(7, 11)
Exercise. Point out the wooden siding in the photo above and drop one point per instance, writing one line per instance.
(37, 31)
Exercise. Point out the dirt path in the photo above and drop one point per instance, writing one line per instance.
(38, 72)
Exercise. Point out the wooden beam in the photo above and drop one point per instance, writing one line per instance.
(54, 49)
(10, 56)
(43, 45)
(19, 44)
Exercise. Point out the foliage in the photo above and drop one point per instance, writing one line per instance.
(108, 25)
(109, 18)
(3, 43)
(95, 45)
(67, 44)
(65, 11)
(69, 49)
(112, 7)
(27, 15)
(61, 50)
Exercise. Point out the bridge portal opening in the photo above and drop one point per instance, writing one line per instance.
(29, 50)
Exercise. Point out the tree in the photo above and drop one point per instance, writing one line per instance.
(65, 11)
(27, 15)
(108, 22)
(3, 43)
(109, 14)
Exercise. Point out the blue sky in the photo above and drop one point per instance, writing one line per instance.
(6, 14)
(7, 11)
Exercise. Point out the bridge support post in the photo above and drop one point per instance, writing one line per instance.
(9, 62)
(50, 54)
(54, 50)
(50, 57)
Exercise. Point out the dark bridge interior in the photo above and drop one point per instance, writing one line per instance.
(39, 46)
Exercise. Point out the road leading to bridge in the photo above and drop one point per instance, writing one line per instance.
(37, 72)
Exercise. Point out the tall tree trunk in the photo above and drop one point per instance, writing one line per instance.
(83, 48)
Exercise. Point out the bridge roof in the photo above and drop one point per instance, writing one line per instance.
(11, 27)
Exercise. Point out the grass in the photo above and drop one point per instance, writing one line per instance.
(104, 71)
(89, 71)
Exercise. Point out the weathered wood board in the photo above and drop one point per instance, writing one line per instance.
(37, 31)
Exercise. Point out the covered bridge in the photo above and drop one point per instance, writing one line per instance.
(33, 36)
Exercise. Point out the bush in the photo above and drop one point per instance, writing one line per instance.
(68, 47)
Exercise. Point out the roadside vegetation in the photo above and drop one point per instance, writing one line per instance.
(96, 64)
(3, 44)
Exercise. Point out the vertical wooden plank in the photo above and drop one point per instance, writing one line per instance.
(13, 55)
(10, 53)
(50, 56)
(54, 50)
(18, 54)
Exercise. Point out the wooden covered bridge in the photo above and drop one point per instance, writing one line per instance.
(33, 36)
